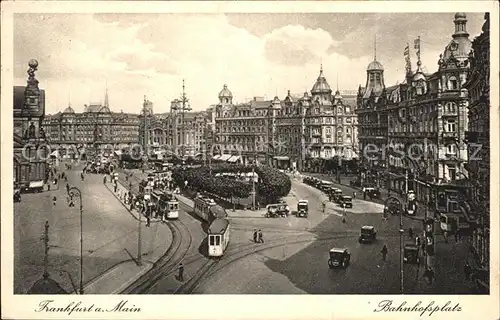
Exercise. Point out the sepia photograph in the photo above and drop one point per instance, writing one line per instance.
(251, 153)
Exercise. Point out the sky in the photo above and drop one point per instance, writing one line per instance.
(137, 55)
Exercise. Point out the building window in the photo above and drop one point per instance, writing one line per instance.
(452, 173)
(450, 149)
(453, 83)
(450, 125)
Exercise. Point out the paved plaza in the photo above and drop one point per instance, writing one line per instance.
(110, 234)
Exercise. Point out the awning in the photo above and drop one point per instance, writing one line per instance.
(36, 184)
(233, 159)
(225, 157)
(216, 157)
(281, 158)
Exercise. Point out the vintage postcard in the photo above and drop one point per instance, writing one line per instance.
(250, 160)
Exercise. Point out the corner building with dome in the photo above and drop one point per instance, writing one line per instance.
(418, 129)
(298, 132)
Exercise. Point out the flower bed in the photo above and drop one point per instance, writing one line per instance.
(271, 186)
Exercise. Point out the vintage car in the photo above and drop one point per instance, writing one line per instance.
(303, 208)
(346, 201)
(325, 186)
(339, 258)
(411, 254)
(368, 234)
(272, 211)
(283, 209)
(334, 194)
(372, 191)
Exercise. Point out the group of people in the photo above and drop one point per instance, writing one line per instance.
(257, 236)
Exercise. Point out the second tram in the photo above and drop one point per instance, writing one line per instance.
(208, 210)
(218, 237)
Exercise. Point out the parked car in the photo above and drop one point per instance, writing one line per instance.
(411, 254)
(339, 258)
(368, 234)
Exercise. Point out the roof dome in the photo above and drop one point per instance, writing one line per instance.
(459, 48)
(418, 76)
(321, 85)
(225, 93)
(375, 65)
(69, 110)
(460, 15)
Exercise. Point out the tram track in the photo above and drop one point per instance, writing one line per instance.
(181, 243)
(240, 252)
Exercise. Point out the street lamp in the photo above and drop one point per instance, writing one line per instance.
(183, 107)
(401, 256)
(72, 192)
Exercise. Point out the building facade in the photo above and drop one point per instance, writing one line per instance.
(298, 132)
(30, 146)
(95, 130)
(417, 129)
(180, 132)
(478, 87)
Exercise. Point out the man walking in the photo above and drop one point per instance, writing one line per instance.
(67, 187)
(384, 252)
(255, 235)
(261, 239)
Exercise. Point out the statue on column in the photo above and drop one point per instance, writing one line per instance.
(32, 131)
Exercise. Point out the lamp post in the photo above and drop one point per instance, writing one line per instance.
(401, 256)
(184, 107)
(72, 192)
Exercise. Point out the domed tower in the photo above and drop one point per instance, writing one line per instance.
(453, 62)
(374, 79)
(225, 96)
(321, 91)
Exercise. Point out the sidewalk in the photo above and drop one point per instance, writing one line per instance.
(122, 275)
(116, 279)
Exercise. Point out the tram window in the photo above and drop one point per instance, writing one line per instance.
(217, 240)
(211, 239)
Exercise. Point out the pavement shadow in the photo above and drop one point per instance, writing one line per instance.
(307, 269)
(203, 247)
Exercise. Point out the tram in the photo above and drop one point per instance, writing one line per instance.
(165, 204)
(208, 210)
(218, 237)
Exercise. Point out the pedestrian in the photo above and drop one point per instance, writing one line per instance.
(456, 236)
(430, 275)
(48, 186)
(66, 178)
(67, 187)
(467, 270)
(384, 252)
(417, 241)
(324, 207)
(54, 200)
(354, 194)
(104, 180)
(181, 272)
(445, 234)
(115, 187)
(410, 232)
(261, 239)
(255, 235)
(148, 220)
(364, 195)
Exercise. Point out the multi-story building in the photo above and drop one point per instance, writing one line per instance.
(94, 130)
(417, 129)
(478, 138)
(30, 148)
(241, 131)
(179, 131)
(297, 132)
